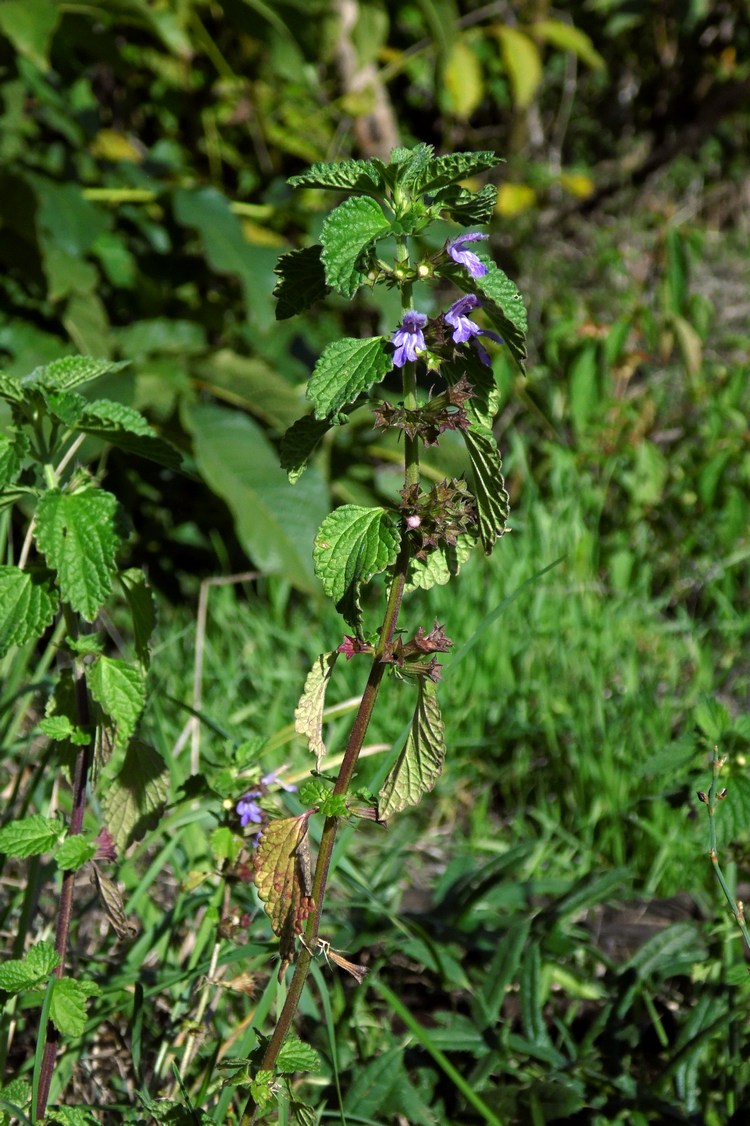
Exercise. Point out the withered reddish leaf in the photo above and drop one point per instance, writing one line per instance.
(283, 878)
(113, 904)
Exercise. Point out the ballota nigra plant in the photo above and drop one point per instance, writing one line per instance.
(374, 238)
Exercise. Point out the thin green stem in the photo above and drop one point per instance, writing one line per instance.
(715, 795)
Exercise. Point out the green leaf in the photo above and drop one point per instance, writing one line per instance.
(299, 444)
(14, 1096)
(17, 974)
(76, 534)
(308, 715)
(71, 371)
(295, 1055)
(353, 544)
(120, 691)
(441, 565)
(462, 80)
(344, 370)
(420, 763)
(28, 603)
(72, 1116)
(11, 389)
(13, 450)
(347, 175)
(30, 28)
(302, 281)
(74, 852)
(274, 523)
(468, 208)
(68, 1005)
(675, 950)
(532, 1012)
(504, 306)
(283, 877)
(126, 428)
(30, 836)
(60, 729)
(522, 62)
(489, 485)
(568, 38)
(134, 799)
(140, 599)
(225, 845)
(348, 233)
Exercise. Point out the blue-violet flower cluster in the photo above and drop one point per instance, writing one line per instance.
(248, 807)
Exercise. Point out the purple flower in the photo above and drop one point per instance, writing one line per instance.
(457, 251)
(408, 339)
(248, 809)
(465, 329)
(273, 779)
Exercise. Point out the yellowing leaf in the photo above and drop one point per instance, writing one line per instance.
(578, 184)
(514, 199)
(463, 80)
(308, 715)
(283, 879)
(522, 62)
(109, 144)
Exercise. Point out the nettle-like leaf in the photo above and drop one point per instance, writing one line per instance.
(283, 877)
(441, 171)
(72, 1116)
(302, 281)
(11, 389)
(308, 715)
(140, 599)
(344, 370)
(120, 691)
(489, 484)
(13, 450)
(468, 208)
(347, 234)
(505, 308)
(441, 565)
(28, 603)
(420, 763)
(348, 175)
(61, 729)
(18, 974)
(74, 852)
(296, 1055)
(76, 534)
(126, 428)
(134, 799)
(31, 836)
(353, 544)
(299, 444)
(68, 1004)
(71, 371)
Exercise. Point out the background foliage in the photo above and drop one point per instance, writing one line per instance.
(549, 921)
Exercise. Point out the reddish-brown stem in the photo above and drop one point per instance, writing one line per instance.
(65, 908)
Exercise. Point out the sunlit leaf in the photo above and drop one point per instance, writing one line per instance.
(308, 715)
(283, 878)
(420, 762)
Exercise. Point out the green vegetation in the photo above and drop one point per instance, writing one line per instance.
(544, 935)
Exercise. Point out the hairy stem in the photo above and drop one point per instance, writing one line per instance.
(65, 907)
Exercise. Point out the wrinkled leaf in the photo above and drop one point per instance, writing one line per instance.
(420, 762)
(30, 836)
(28, 603)
(353, 544)
(17, 974)
(308, 715)
(302, 281)
(134, 799)
(489, 485)
(68, 1005)
(283, 878)
(344, 370)
(76, 534)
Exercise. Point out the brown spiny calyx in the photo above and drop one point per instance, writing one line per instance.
(443, 412)
(408, 656)
(439, 516)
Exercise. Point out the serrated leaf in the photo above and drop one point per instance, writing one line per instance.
(111, 897)
(71, 371)
(344, 370)
(303, 1114)
(420, 763)
(28, 603)
(140, 599)
(299, 443)
(295, 1055)
(225, 845)
(133, 800)
(120, 691)
(76, 535)
(308, 715)
(72, 1116)
(505, 308)
(13, 449)
(348, 232)
(441, 565)
(302, 281)
(18, 974)
(68, 1004)
(30, 836)
(441, 171)
(11, 389)
(74, 852)
(347, 175)
(353, 544)
(468, 208)
(283, 878)
(14, 1096)
(489, 485)
(485, 400)
(126, 428)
